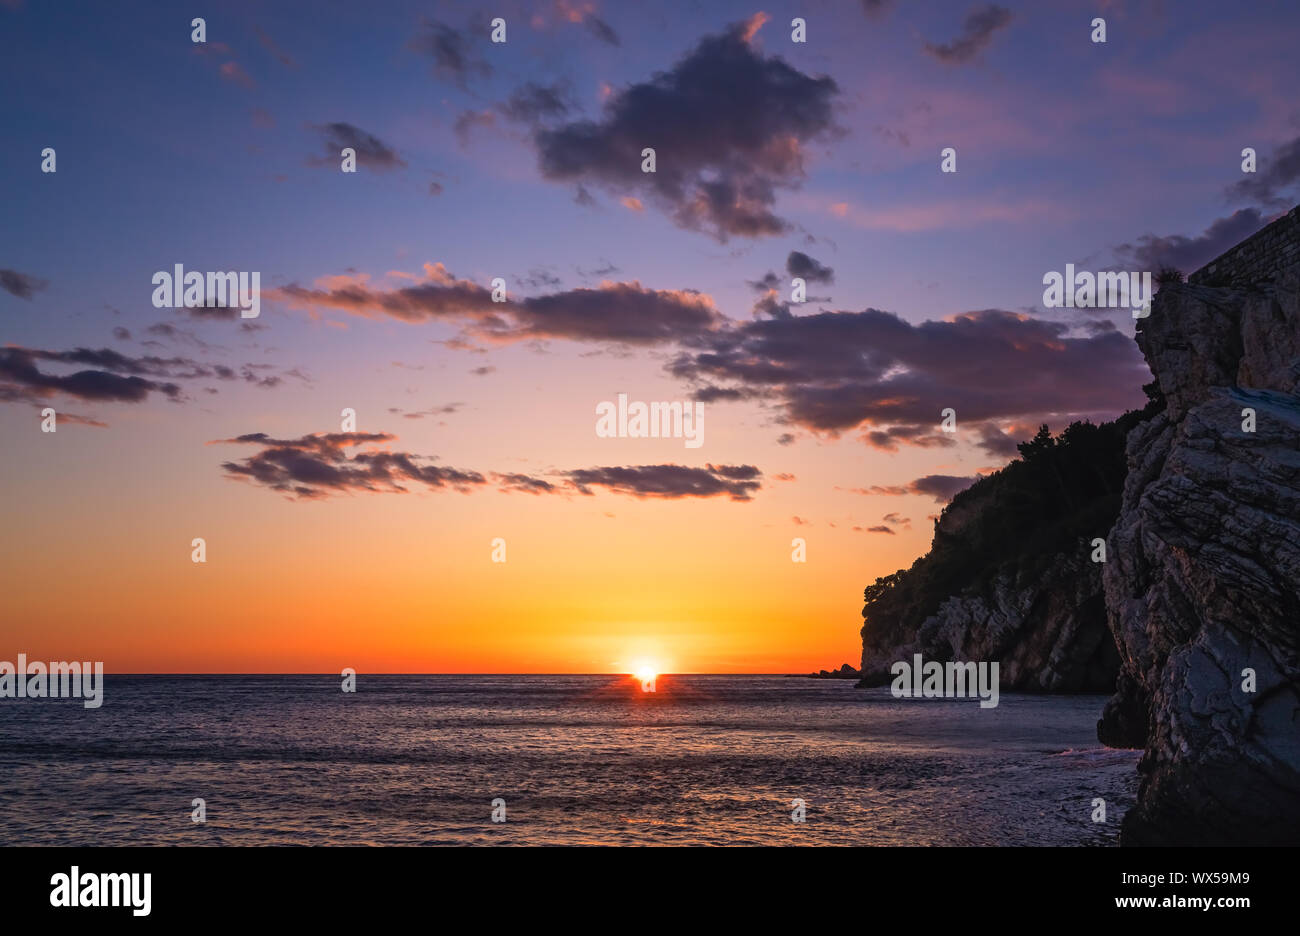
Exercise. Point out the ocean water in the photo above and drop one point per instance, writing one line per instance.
(418, 760)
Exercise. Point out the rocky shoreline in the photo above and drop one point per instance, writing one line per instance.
(1193, 620)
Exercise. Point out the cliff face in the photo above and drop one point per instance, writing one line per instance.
(1009, 575)
(1203, 577)
(1046, 626)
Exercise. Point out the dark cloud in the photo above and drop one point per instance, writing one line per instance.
(624, 313)
(121, 334)
(728, 125)
(999, 443)
(317, 465)
(941, 487)
(1153, 253)
(920, 436)
(533, 102)
(321, 464)
(435, 187)
(113, 376)
(525, 484)
(771, 305)
(1275, 174)
(977, 32)
(454, 55)
(539, 278)
(802, 265)
(21, 379)
(605, 269)
(20, 284)
(876, 8)
(880, 529)
(602, 30)
(371, 151)
(839, 371)
(738, 482)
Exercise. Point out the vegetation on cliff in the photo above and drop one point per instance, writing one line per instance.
(1060, 490)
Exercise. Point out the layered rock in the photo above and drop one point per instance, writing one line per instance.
(1009, 576)
(1045, 625)
(1203, 578)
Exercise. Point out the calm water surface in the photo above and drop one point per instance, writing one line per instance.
(578, 759)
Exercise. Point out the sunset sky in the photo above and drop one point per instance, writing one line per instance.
(476, 420)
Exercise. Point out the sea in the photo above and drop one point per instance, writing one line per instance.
(554, 760)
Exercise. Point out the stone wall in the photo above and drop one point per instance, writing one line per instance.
(1259, 258)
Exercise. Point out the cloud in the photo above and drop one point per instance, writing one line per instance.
(977, 32)
(919, 436)
(802, 265)
(585, 13)
(20, 284)
(623, 313)
(113, 376)
(320, 464)
(235, 74)
(881, 529)
(1150, 252)
(21, 379)
(833, 372)
(533, 102)
(737, 482)
(371, 151)
(1280, 171)
(316, 465)
(76, 420)
(728, 126)
(874, 9)
(602, 30)
(941, 487)
(453, 53)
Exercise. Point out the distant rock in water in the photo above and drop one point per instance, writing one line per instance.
(844, 672)
(1203, 577)
(1009, 576)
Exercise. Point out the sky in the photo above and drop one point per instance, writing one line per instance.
(372, 546)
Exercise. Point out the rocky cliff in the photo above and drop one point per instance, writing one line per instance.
(1009, 576)
(1203, 579)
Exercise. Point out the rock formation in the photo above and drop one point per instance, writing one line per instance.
(1009, 576)
(1202, 581)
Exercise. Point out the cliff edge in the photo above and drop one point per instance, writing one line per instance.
(1202, 583)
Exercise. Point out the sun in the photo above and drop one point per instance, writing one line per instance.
(646, 671)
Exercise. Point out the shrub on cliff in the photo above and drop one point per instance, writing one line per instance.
(1060, 490)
